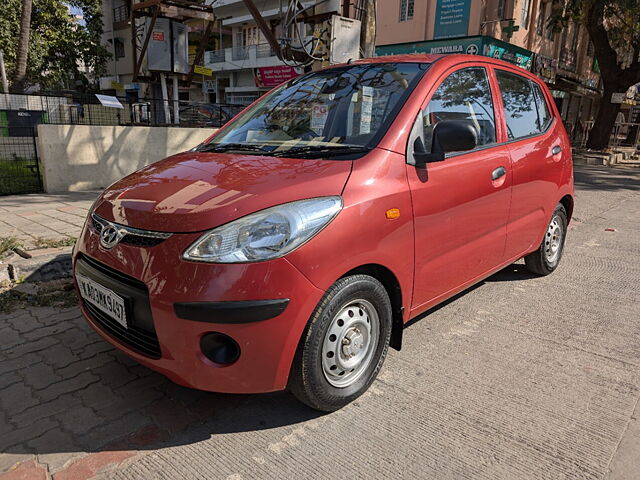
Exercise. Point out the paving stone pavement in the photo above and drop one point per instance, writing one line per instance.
(519, 377)
(47, 216)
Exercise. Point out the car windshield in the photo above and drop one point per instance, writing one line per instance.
(338, 111)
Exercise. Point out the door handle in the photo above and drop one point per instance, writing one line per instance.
(498, 172)
(556, 150)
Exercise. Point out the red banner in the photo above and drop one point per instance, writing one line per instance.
(272, 76)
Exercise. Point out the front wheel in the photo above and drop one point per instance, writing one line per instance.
(344, 344)
(546, 259)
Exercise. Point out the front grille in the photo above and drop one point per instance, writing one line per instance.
(137, 339)
(131, 236)
(140, 334)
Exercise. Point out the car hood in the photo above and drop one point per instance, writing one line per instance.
(192, 191)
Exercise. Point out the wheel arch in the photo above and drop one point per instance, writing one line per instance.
(567, 203)
(392, 286)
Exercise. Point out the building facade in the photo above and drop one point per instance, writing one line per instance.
(118, 80)
(517, 31)
(246, 66)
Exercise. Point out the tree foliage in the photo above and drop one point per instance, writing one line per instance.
(63, 52)
(614, 30)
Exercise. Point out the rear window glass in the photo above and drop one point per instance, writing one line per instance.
(544, 116)
(520, 108)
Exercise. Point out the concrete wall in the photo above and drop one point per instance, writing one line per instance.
(81, 157)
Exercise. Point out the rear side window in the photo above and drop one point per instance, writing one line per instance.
(544, 116)
(463, 95)
(520, 107)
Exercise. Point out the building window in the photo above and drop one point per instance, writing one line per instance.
(550, 31)
(406, 10)
(501, 4)
(524, 17)
(540, 20)
(118, 48)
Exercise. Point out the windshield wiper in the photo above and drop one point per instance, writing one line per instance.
(320, 150)
(223, 147)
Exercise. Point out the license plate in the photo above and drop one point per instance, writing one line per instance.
(102, 298)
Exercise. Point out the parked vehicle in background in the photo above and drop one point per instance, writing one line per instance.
(290, 248)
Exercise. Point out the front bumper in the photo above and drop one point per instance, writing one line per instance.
(267, 346)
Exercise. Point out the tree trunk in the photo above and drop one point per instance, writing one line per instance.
(19, 78)
(368, 30)
(604, 121)
(614, 77)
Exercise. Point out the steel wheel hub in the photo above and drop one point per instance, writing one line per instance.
(553, 239)
(350, 343)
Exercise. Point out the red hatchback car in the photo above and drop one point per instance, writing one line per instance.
(290, 248)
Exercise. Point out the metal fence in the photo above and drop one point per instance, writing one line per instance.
(20, 115)
(86, 109)
(19, 169)
(622, 135)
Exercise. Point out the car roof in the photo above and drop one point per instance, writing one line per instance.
(449, 59)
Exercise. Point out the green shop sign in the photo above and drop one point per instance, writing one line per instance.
(476, 45)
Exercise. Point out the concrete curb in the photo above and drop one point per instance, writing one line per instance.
(44, 265)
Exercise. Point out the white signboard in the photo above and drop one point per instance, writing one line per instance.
(345, 39)
(109, 101)
(617, 97)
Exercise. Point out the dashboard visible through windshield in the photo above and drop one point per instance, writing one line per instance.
(334, 112)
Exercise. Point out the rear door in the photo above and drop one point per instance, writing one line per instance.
(536, 150)
(460, 205)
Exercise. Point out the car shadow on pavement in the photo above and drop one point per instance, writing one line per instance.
(513, 272)
(66, 390)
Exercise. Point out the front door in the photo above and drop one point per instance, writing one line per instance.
(461, 204)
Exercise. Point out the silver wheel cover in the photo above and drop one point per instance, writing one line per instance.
(350, 343)
(553, 239)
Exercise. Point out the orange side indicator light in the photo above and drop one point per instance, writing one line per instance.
(392, 213)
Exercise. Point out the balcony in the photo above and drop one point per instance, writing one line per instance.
(237, 58)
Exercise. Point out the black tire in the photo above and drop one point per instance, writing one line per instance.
(543, 261)
(308, 381)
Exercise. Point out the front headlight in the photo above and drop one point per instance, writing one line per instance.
(267, 234)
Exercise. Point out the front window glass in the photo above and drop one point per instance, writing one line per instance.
(336, 109)
(463, 95)
(519, 105)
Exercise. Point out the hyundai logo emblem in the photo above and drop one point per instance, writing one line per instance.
(109, 237)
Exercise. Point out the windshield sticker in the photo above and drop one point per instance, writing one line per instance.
(365, 113)
(319, 114)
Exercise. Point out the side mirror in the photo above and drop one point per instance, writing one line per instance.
(448, 136)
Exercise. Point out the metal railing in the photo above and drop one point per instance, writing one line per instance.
(264, 50)
(86, 109)
(217, 56)
(625, 135)
(622, 135)
(240, 53)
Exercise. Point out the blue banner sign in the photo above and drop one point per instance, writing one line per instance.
(452, 18)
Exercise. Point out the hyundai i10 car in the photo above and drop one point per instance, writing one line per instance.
(290, 248)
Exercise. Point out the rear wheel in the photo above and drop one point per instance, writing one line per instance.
(344, 345)
(547, 257)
